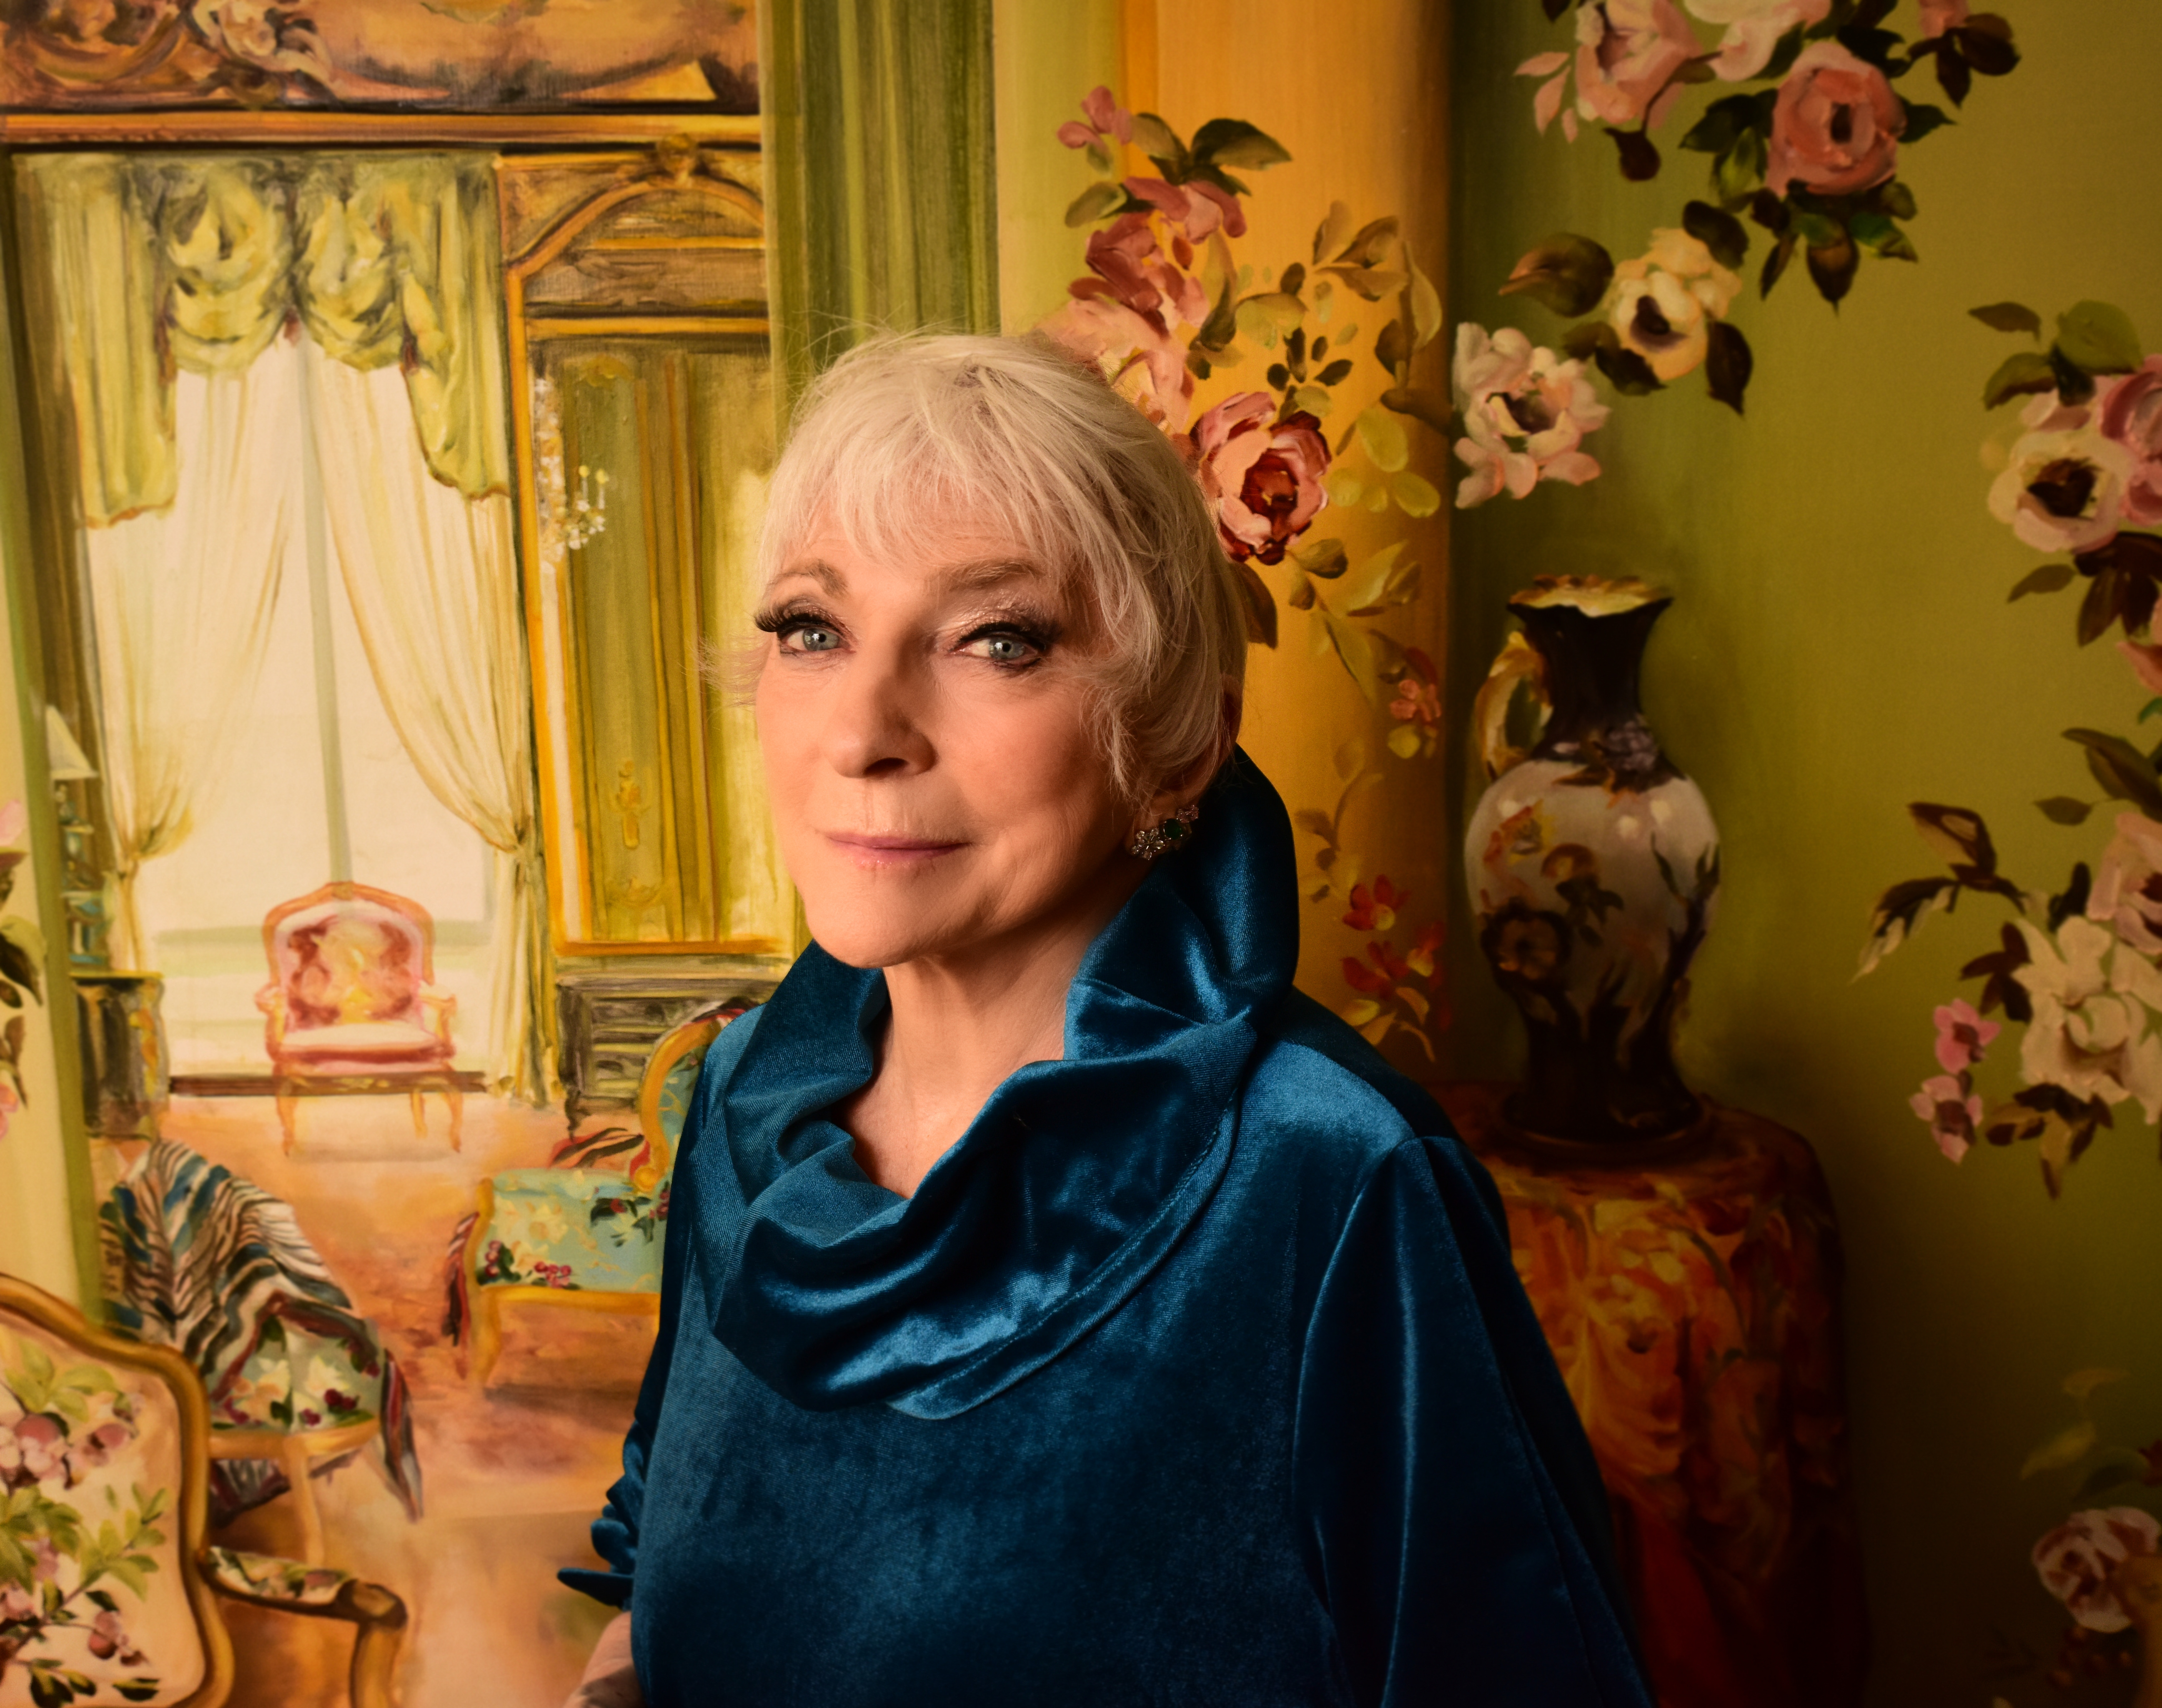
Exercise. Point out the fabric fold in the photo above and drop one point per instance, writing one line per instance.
(1074, 1181)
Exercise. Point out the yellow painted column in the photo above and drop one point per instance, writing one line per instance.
(1360, 101)
(46, 1234)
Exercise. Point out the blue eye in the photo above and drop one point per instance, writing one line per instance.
(1002, 648)
(809, 637)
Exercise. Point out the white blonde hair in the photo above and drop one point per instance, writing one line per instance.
(1036, 446)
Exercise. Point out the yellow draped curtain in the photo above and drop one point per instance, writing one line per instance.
(163, 267)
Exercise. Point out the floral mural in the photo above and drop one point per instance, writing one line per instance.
(2075, 973)
(1807, 150)
(1289, 409)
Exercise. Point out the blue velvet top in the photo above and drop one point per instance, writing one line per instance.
(1196, 1372)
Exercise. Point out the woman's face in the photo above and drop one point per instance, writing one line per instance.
(924, 722)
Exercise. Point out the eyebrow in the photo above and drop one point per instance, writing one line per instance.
(973, 574)
(969, 576)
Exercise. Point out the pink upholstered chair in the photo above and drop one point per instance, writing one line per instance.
(352, 1003)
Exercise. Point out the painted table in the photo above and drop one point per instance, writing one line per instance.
(1691, 1295)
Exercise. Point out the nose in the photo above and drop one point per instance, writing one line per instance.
(875, 726)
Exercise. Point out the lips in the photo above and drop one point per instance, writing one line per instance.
(873, 850)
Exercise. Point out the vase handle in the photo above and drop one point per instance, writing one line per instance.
(1517, 665)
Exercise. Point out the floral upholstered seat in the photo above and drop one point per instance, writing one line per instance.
(567, 1228)
(352, 1003)
(106, 1590)
(582, 1236)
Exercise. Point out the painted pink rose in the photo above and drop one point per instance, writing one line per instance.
(16, 1602)
(1628, 52)
(10, 1100)
(2077, 1559)
(2128, 887)
(1199, 210)
(1136, 354)
(1130, 266)
(1938, 16)
(1952, 1111)
(1104, 119)
(1836, 125)
(2146, 662)
(14, 822)
(1963, 1036)
(1753, 29)
(2131, 414)
(1265, 476)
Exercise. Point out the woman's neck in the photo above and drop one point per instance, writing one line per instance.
(958, 1027)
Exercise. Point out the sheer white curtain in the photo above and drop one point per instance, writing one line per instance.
(180, 599)
(434, 588)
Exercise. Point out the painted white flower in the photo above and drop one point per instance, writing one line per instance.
(2064, 489)
(1663, 303)
(1753, 29)
(1525, 414)
(545, 1223)
(2089, 1034)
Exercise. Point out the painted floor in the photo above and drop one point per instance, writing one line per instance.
(511, 1478)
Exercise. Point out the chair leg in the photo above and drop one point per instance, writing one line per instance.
(420, 1114)
(298, 1467)
(287, 1107)
(487, 1327)
(379, 1632)
(456, 1099)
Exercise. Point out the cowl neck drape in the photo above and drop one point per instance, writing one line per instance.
(1074, 1181)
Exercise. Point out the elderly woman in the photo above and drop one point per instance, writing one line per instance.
(1059, 1307)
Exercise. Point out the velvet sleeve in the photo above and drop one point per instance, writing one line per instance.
(615, 1532)
(1453, 1517)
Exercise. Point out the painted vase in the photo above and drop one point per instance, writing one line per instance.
(1593, 864)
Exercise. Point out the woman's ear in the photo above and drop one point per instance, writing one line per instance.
(1187, 786)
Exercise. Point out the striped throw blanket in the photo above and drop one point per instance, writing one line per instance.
(199, 1259)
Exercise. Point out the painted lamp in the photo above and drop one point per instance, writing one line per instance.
(1593, 864)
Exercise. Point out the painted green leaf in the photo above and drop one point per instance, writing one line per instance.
(2116, 1470)
(2098, 338)
(1432, 407)
(1383, 580)
(1414, 494)
(2067, 1446)
(2047, 579)
(1324, 558)
(1232, 142)
(1567, 273)
(1314, 400)
(1362, 1011)
(1404, 741)
(2016, 375)
(1353, 648)
(2081, 1384)
(1344, 487)
(2121, 768)
(1336, 372)
(1383, 435)
(2063, 809)
(1718, 231)
(1330, 235)
(1426, 306)
(1392, 348)
(1096, 202)
(1728, 363)
(1740, 169)
(1158, 140)
(1922, 118)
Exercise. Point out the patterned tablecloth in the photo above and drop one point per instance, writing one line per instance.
(1693, 1304)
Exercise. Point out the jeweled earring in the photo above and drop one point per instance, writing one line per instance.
(1174, 833)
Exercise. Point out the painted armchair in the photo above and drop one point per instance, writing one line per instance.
(589, 1238)
(105, 1584)
(352, 1004)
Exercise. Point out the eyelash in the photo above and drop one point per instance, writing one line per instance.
(1038, 636)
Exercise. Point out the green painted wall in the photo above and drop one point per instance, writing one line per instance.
(1841, 645)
